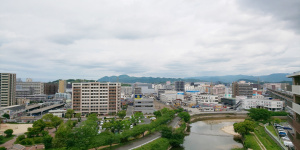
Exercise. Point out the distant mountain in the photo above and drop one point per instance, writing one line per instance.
(128, 79)
(276, 77)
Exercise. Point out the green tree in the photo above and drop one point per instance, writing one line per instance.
(179, 110)
(185, 116)
(62, 136)
(56, 121)
(157, 113)
(1, 139)
(2, 148)
(166, 132)
(244, 128)
(138, 115)
(6, 116)
(47, 118)
(40, 124)
(277, 120)
(78, 116)
(69, 113)
(47, 140)
(259, 114)
(164, 110)
(122, 114)
(8, 132)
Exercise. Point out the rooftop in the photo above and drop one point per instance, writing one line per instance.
(294, 74)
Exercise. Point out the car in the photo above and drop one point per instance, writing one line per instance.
(131, 126)
(287, 128)
(279, 126)
(282, 134)
(281, 130)
(152, 118)
(288, 143)
(285, 138)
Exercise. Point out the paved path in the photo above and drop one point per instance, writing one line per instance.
(139, 142)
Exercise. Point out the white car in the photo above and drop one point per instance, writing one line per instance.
(281, 130)
(152, 118)
(131, 126)
(285, 138)
(288, 143)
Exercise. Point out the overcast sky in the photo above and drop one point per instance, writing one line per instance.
(59, 39)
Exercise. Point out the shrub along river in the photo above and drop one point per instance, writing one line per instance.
(208, 135)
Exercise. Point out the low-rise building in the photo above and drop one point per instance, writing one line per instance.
(271, 105)
(144, 105)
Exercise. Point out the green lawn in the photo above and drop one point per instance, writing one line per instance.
(250, 142)
(271, 129)
(160, 143)
(266, 139)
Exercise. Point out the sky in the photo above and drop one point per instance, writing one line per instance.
(64, 39)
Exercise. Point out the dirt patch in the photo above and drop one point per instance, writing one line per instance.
(159, 106)
(18, 128)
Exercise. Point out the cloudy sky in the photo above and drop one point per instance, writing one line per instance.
(59, 39)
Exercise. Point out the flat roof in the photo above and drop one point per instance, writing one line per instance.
(45, 108)
(294, 74)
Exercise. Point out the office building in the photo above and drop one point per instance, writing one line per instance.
(7, 89)
(144, 105)
(294, 109)
(34, 88)
(62, 86)
(50, 88)
(96, 97)
(179, 86)
(242, 89)
(271, 105)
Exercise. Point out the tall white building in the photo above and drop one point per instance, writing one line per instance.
(272, 105)
(96, 97)
(7, 89)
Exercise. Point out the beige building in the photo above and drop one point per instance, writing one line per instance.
(34, 88)
(62, 85)
(96, 97)
(7, 89)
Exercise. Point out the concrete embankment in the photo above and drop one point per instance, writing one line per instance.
(215, 116)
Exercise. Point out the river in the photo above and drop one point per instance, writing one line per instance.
(207, 135)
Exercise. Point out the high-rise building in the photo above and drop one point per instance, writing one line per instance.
(34, 88)
(241, 89)
(7, 89)
(50, 88)
(96, 97)
(179, 86)
(294, 107)
(62, 85)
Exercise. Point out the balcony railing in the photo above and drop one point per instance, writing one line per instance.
(296, 89)
(295, 124)
(293, 139)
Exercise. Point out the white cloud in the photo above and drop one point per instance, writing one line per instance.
(74, 39)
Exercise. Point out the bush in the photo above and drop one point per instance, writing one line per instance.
(20, 138)
(2, 148)
(8, 132)
(279, 113)
(26, 142)
(38, 140)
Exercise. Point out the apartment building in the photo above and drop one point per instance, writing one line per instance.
(179, 86)
(242, 89)
(96, 97)
(294, 109)
(35, 88)
(50, 88)
(7, 89)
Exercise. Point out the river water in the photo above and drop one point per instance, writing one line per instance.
(207, 135)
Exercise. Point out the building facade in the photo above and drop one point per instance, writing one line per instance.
(271, 105)
(7, 89)
(179, 86)
(294, 109)
(35, 88)
(144, 105)
(50, 88)
(241, 89)
(96, 97)
(62, 86)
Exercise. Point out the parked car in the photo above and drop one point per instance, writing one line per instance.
(152, 118)
(281, 130)
(287, 128)
(288, 143)
(282, 134)
(285, 138)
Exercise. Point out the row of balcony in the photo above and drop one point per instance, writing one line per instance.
(296, 89)
(294, 123)
(292, 137)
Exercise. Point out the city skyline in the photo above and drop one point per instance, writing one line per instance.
(52, 40)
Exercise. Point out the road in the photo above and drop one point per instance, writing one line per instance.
(129, 111)
(142, 141)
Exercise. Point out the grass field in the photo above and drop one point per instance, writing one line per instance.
(250, 142)
(268, 142)
(160, 143)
